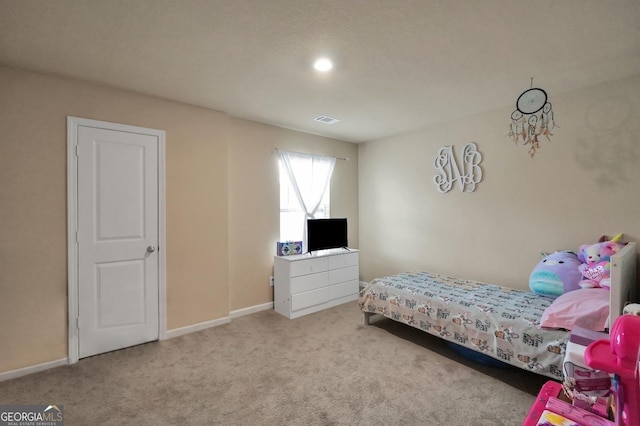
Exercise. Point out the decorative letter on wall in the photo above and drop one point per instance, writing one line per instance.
(448, 171)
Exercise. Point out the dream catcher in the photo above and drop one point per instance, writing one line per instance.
(532, 118)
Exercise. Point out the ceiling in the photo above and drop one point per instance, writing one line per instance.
(401, 65)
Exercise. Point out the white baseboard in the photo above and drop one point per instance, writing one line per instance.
(8, 375)
(220, 321)
(197, 327)
(251, 310)
(363, 284)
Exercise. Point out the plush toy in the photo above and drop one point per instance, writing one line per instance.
(631, 309)
(596, 266)
(555, 274)
(616, 239)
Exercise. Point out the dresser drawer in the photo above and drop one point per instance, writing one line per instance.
(309, 282)
(350, 288)
(345, 274)
(343, 260)
(308, 266)
(309, 298)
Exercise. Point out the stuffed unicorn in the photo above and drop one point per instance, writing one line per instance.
(596, 268)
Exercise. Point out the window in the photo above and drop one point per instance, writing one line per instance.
(292, 216)
(304, 192)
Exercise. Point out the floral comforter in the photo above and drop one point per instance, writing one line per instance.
(497, 321)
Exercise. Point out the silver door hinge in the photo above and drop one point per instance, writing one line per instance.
(78, 323)
(77, 150)
(77, 236)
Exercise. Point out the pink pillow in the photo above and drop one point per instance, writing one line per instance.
(586, 307)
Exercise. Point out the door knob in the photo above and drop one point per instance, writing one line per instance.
(151, 249)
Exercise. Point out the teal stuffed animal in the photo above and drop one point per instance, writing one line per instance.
(555, 274)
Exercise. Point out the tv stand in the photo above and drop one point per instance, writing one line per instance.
(327, 252)
(308, 283)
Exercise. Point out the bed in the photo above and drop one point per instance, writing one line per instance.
(496, 321)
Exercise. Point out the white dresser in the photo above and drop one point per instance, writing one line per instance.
(304, 284)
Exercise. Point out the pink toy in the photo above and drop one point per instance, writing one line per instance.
(619, 356)
(596, 268)
(548, 410)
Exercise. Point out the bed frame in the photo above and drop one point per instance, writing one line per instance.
(624, 283)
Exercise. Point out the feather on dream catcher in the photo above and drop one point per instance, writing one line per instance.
(532, 118)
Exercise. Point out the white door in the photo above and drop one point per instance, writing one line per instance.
(117, 240)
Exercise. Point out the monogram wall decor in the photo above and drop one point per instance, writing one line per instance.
(449, 172)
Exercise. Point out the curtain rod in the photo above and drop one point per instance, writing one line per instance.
(304, 153)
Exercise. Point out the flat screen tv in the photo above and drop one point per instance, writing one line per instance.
(323, 234)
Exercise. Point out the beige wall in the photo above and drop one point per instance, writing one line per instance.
(221, 182)
(581, 185)
(254, 198)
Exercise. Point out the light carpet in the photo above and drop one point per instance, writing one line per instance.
(264, 369)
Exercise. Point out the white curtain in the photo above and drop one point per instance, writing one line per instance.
(309, 176)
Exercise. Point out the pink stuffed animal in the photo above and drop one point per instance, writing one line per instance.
(596, 268)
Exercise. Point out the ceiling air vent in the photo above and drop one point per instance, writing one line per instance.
(326, 119)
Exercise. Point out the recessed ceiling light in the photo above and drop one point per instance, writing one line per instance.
(323, 64)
